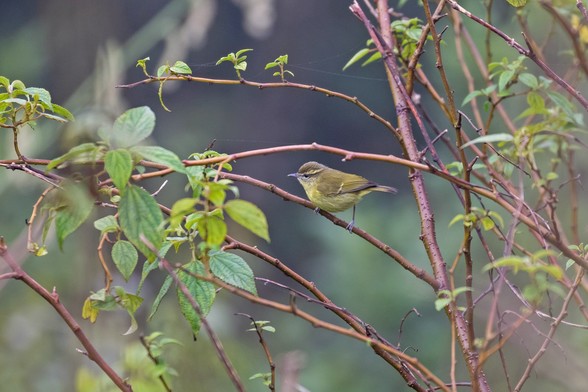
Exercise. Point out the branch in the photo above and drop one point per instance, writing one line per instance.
(268, 355)
(529, 53)
(318, 323)
(233, 375)
(405, 263)
(53, 299)
(562, 314)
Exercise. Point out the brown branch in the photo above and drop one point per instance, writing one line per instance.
(218, 346)
(318, 323)
(403, 105)
(529, 53)
(53, 299)
(393, 253)
(261, 86)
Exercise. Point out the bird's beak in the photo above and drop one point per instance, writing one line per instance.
(293, 175)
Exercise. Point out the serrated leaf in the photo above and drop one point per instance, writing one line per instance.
(74, 152)
(180, 67)
(139, 215)
(132, 127)
(233, 270)
(119, 166)
(495, 137)
(203, 292)
(249, 216)
(125, 257)
(77, 206)
(160, 155)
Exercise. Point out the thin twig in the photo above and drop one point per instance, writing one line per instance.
(268, 355)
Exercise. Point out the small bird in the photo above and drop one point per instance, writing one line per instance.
(333, 190)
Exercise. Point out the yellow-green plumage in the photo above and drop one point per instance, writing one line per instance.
(333, 190)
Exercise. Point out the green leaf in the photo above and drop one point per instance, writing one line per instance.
(132, 126)
(162, 70)
(149, 266)
(374, 57)
(249, 216)
(203, 292)
(162, 292)
(130, 303)
(42, 94)
(529, 80)
(441, 303)
(457, 218)
(180, 67)
(77, 206)
(107, 224)
(180, 209)
(160, 155)
(517, 3)
(239, 53)
(119, 166)
(569, 263)
(356, 57)
(213, 230)
(143, 64)
(470, 96)
(504, 80)
(241, 66)
(487, 223)
(233, 270)
(139, 215)
(74, 152)
(125, 257)
(495, 137)
(4, 82)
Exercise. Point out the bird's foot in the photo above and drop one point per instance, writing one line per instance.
(350, 226)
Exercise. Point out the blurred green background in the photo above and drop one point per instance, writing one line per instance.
(79, 50)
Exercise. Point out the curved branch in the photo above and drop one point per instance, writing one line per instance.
(53, 300)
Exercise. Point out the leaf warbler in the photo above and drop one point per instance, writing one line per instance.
(333, 190)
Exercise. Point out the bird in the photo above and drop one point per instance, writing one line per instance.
(332, 190)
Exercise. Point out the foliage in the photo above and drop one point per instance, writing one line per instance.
(512, 174)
